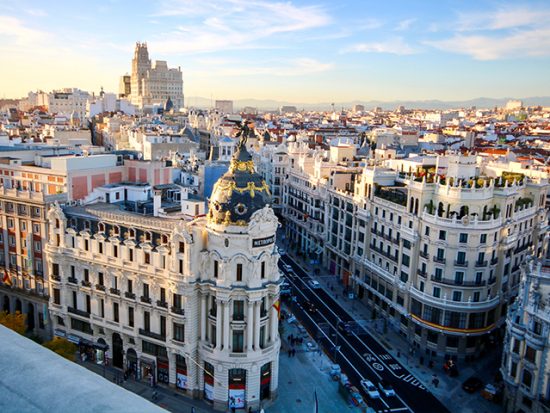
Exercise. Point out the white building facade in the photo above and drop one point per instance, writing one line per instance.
(192, 304)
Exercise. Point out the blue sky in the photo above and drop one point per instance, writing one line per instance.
(302, 51)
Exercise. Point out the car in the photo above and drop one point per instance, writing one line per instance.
(370, 389)
(344, 328)
(386, 388)
(472, 384)
(314, 284)
(284, 288)
(282, 251)
(287, 267)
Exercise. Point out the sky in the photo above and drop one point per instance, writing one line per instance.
(304, 51)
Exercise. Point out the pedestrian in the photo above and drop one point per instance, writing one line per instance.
(249, 409)
(193, 410)
(289, 352)
(293, 352)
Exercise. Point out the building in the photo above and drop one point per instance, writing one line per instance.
(193, 304)
(525, 366)
(358, 108)
(68, 101)
(224, 106)
(153, 83)
(439, 258)
(125, 86)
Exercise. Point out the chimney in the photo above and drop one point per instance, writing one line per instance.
(156, 202)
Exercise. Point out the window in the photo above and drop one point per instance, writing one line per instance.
(476, 296)
(479, 277)
(461, 257)
(181, 247)
(102, 308)
(239, 272)
(146, 290)
(88, 304)
(131, 316)
(459, 277)
(75, 300)
(483, 239)
(146, 321)
(514, 369)
(530, 354)
(238, 342)
(427, 231)
(437, 292)
(55, 269)
(115, 312)
(215, 269)
(440, 254)
(179, 332)
(442, 235)
(527, 378)
(176, 301)
(115, 251)
(146, 258)
(100, 278)
(100, 247)
(457, 295)
(130, 286)
(463, 238)
(262, 336)
(56, 296)
(438, 274)
(263, 270)
(238, 310)
(86, 275)
(130, 254)
(163, 326)
(405, 260)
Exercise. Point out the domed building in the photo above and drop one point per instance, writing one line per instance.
(189, 304)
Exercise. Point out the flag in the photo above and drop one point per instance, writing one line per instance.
(6, 280)
(315, 403)
(277, 307)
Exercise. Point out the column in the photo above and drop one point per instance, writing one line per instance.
(172, 367)
(274, 321)
(203, 316)
(218, 325)
(226, 332)
(257, 325)
(249, 325)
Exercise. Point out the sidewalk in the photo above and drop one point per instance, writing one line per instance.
(449, 391)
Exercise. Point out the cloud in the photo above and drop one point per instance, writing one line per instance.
(404, 25)
(294, 67)
(528, 43)
(36, 12)
(500, 34)
(395, 45)
(20, 35)
(214, 25)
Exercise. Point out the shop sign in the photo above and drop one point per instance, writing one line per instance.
(262, 242)
(73, 339)
(236, 398)
(181, 380)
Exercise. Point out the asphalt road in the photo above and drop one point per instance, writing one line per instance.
(357, 352)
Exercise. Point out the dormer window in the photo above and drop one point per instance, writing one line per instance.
(131, 233)
(101, 227)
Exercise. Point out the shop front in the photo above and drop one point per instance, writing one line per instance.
(132, 363)
(265, 381)
(237, 388)
(208, 381)
(181, 372)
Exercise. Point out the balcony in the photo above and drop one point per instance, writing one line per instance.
(100, 287)
(130, 295)
(146, 300)
(421, 273)
(481, 264)
(114, 291)
(73, 280)
(424, 255)
(461, 263)
(439, 260)
(238, 317)
(150, 334)
(181, 311)
(56, 278)
(78, 312)
(448, 281)
(86, 283)
(492, 280)
(161, 303)
(494, 261)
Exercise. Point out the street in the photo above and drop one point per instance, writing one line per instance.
(357, 352)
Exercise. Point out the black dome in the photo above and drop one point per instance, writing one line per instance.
(239, 193)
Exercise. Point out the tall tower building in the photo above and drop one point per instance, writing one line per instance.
(153, 83)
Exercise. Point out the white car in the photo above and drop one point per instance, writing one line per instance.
(314, 284)
(386, 388)
(370, 389)
(287, 268)
(282, 251)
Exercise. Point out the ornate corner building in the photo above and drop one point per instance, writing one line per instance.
(190, 304)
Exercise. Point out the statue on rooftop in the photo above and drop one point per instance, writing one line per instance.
(245, 130)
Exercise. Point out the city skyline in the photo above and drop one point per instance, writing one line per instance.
(309, 52)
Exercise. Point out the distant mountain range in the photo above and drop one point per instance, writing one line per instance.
(266, 104)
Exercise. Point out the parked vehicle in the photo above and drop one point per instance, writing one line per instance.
(370, 389)
(314, 284)
(472, 384)
(344, 328)
(287, 267)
